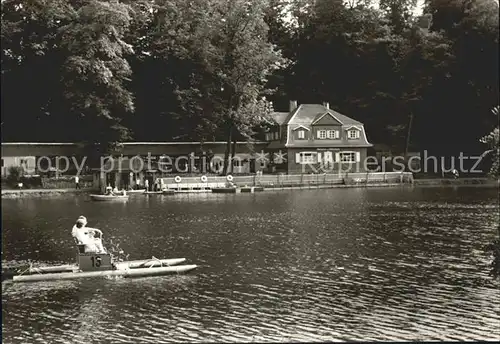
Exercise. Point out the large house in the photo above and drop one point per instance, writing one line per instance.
(316, 138)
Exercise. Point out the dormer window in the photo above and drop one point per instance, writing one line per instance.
(353, 134)
(332, 134)
(301, 132)
(328, 134)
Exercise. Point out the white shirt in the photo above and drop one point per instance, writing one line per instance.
(81, 234)
(77, 179)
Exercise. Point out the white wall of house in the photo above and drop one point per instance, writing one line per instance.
(27, 162)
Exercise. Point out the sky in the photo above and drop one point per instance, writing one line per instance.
(418, 9)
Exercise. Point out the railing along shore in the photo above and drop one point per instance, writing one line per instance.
(287, 180)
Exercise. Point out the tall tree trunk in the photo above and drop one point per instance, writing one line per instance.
(408, 136)
(233, 150)
(228, 148)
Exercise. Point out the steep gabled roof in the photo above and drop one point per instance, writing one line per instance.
(306, 114)
(322, 115)
(301, 126)
(279, 117)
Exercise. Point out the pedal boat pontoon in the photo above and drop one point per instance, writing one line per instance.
(91, 265)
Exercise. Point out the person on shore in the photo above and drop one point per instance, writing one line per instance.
(87, 236)
(77, 182)
(146, 184)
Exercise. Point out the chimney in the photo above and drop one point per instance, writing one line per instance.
(327, 105)
(293, 105)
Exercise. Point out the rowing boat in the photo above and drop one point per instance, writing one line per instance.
(163, 192)
(109, 197)
(138, 191)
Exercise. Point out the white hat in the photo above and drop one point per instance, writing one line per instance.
(82, 219)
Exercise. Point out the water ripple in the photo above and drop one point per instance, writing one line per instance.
(311, 266)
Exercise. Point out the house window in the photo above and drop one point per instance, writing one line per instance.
(332, 134)
(322, 134)
(348, 157)
(277, 135)
(307, 158)
(353, 134)
(302, 134)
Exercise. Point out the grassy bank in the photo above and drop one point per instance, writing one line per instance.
(331, 186)
(458, 181)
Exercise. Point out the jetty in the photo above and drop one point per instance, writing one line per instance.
(261, 182)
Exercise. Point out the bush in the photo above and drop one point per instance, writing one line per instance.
(15, 174)
(31, 182)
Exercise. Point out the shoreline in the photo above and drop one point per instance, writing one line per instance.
(32, 193)
(10, 194)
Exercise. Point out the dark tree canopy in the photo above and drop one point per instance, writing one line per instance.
(109, 71)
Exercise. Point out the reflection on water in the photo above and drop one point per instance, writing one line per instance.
(318, 265)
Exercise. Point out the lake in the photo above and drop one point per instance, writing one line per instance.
(307, 265)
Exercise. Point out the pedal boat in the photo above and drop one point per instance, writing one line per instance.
(90, 265)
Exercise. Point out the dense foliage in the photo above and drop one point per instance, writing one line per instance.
(493, 142)
(157, 70)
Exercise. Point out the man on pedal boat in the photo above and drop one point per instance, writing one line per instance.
(87, 236)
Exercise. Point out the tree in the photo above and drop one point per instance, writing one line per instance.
(398, 12)
(493, 143)
(492, 140)
(226, 57)
(472, 82)
(30, 61)
(95, 71)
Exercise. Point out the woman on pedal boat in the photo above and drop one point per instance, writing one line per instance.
(87, 236)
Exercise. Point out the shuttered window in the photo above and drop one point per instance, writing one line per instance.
(353, 134)
(321, 134)
(307, 157)
(349, 156)
(333, 134)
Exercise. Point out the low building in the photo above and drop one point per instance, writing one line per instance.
(27, 163)
(184, 157)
